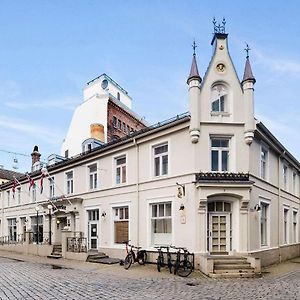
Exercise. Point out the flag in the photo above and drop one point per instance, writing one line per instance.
(30, 181)
(44, 173)
(42, 182)
(16, 182)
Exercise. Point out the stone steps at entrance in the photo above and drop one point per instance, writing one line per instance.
(56, 251)
(102, 258)
(232, 267)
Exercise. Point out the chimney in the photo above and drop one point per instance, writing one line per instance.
(35, 155)
(97, 132)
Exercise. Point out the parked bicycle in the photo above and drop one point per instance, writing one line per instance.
(160, 262)
(182, 267)
(140, 256)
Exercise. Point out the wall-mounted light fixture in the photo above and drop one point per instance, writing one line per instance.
(103, 215)
(181, 208)
(257, 207)
(180, 190)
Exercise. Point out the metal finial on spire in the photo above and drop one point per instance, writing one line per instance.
(219, 28)
(194, 47)
(247, 49)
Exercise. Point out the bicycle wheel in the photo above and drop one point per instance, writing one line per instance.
(158, 263)
(170, 265)
(142, 257)
(185, 268)
(127, 261)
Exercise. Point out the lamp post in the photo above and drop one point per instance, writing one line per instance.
(37, 224)
(50, 217)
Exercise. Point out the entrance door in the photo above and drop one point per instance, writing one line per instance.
(93, 235)
(219, 229)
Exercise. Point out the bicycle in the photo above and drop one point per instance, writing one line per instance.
(140, 257)
(182, 268)
(160, 259)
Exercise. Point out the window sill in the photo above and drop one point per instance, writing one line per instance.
(219, 113)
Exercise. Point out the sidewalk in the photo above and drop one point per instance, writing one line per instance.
(136, 271)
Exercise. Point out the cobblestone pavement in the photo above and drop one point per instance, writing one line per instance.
(32, 280)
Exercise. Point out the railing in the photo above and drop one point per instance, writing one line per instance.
(16, 239)
(77, 244)
(33, 237)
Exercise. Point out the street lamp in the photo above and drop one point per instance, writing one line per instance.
(37, 223)
(50, 233)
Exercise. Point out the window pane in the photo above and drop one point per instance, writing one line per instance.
(222, 99)
(215, 105)
(224, 160)
(165, 165)
(168, 210)
(95, 180)
(214, 160)
(121, 161)
(123, 174)
(161, 149)
(154, 210)
(118, 175)
(156, 166)
(215, 143)
(161, 210)
(126, 213)
(121, 213)
(224, 143)
(93, 168)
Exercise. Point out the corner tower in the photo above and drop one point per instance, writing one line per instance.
(248, 88)
(194, 81)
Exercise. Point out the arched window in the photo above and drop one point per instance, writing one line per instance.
(219, 98)
(118, 96)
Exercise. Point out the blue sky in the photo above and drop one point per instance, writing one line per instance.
(50, 49)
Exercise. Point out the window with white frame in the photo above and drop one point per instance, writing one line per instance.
(294, 182)
(51, 187)
(12, 229)
(263, 162)
(161, 223)
(120, 165)
(295, 226)
(33, 193)
(161, 159)
(284, 175)
(70, 182)
(219, 154)
(285, 225)
(219, 98)
(264, 223)
(121, 224)
(93, 176)
(19, 195)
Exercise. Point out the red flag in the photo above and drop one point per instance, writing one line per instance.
(14, 187)
(30, 181)
(42, 182)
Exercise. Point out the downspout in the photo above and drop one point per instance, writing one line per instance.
(279, 197)
(137, 190)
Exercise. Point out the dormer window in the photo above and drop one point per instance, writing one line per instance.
(219, 98)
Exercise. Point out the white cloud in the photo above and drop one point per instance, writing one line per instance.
(48, 135)
(68, 103)
(282, 65)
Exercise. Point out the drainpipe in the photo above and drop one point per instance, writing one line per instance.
(137, 191)
(279, 197)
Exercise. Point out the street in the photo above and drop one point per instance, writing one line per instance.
(36, 280)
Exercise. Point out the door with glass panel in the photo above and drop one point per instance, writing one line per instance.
(93, 229)
(219, 233)
(219, 227)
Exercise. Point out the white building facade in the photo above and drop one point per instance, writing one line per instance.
(215, 181)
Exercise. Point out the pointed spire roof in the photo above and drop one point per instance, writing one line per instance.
(248, 75)
(194, 73)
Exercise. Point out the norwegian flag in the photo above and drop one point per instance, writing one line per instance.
(44, 173)
(31, 181)
(15, 184)
(42, 182)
